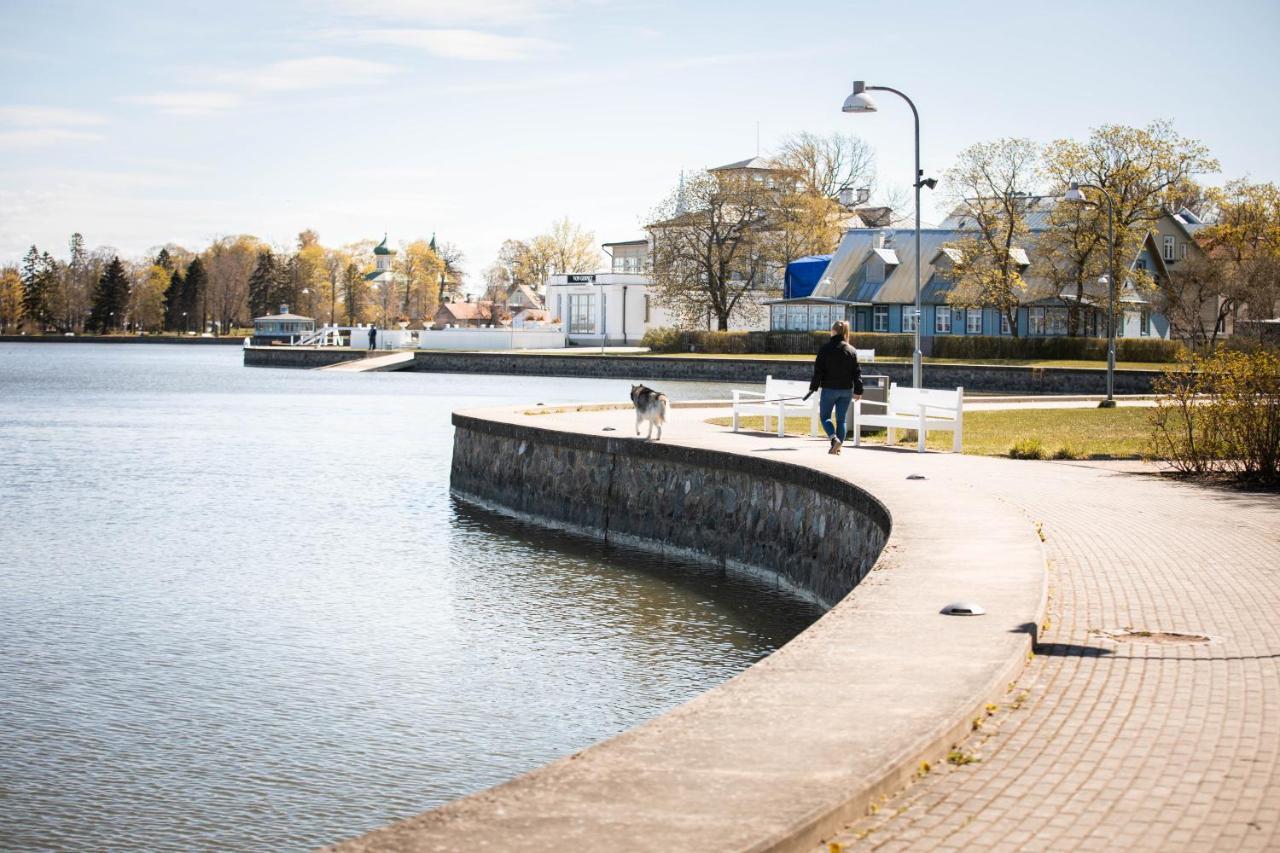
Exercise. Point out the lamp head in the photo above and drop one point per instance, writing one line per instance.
(859, 101)
(1074, 193)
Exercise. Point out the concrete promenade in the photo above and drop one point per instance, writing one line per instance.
(1114, 743)
(1123, 731)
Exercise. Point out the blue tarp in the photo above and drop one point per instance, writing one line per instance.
(803, 275)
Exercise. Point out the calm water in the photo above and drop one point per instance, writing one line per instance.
(238, 608)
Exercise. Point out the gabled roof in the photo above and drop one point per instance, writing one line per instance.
(889, 256)
(469, 310)
(284, 317)
(752, 163)
(532, 299)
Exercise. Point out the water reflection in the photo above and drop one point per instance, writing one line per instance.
(241, 611)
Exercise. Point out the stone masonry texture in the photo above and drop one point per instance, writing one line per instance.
(818, 534)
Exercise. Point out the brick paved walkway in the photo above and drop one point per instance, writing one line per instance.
(1122, 745)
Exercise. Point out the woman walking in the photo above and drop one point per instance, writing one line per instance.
(836, 372)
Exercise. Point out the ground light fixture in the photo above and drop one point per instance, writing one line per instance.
(861, 101)
(1076, 195)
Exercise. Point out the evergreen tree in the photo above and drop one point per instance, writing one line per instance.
(288, 289)
(352, 289)
(193, 290)
(38, 272)
(264, 284)
(111, 298)
(173, 303)
(163, 259)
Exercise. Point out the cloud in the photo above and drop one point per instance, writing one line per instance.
(33, 116)
(289, 75)
(41, 136)
(454, 12)
(472, 45)
(315, 72)
(190, 103)
(26, 126)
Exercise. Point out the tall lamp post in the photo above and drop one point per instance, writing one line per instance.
(1074, 194)
(860, 102)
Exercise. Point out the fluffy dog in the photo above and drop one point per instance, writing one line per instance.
(650, 406)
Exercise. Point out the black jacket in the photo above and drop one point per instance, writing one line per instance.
(836, 367)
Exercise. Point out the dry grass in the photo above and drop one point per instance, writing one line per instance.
(1119, 433)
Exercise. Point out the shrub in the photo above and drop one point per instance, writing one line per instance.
(661, 340)
(1221, 415)
(1065, 452)
(989, 346)
(1027, 448)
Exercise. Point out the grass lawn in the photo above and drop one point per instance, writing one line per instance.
(1119, 433)
(1006, 362)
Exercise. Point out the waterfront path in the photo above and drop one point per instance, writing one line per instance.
(1107, 741)
(1122, 744)
(1113, 736)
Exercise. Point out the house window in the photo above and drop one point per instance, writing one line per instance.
(1144, 322)
(941, 320)
(1168, 248)
(1004, 324)
(908, 318)
(1182, 250)
(778, 320)
(646, 307)
(582, 313)
(797, 318)
(1055, 321)
(819, 318)
(973, 321)
(880, 318)
(604, 312)
(1140, 263)
(1035, 321)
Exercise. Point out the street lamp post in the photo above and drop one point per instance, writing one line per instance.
(860, 102)
(1074, 194)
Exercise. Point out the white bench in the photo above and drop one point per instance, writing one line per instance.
(921, 409)
(865, 355)
(781, 399)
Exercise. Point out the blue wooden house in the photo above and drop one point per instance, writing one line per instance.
(870, 283)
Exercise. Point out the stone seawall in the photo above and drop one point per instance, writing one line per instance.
(306, 359)
(815, 535)
(973, 377)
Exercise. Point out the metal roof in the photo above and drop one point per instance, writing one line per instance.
(752, 163)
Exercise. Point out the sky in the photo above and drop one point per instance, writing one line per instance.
(143, 123)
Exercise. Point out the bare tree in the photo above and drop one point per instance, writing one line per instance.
(825, 165)
(989, 186)
(715, 248)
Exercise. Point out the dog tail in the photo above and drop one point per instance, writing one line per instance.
(663, 408)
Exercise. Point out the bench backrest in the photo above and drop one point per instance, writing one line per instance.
(937, 401)
(865, 354)
(775, 389)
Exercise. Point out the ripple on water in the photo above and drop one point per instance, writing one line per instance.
(241, 610)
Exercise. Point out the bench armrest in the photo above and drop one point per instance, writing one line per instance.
(739, 395)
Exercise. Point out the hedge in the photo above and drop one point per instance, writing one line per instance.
(938, 346)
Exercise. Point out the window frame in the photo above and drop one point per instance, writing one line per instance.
(970, 315)
(880, 313)
(909, 314)
(1168, 247)
(940, 311)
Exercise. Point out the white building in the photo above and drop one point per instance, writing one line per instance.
(615, 309)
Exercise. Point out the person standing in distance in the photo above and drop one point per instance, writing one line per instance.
(836, 373)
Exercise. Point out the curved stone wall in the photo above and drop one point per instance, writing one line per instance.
(814, 534)
(808, 738)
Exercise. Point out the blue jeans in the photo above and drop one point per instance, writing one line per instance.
(840, 401)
